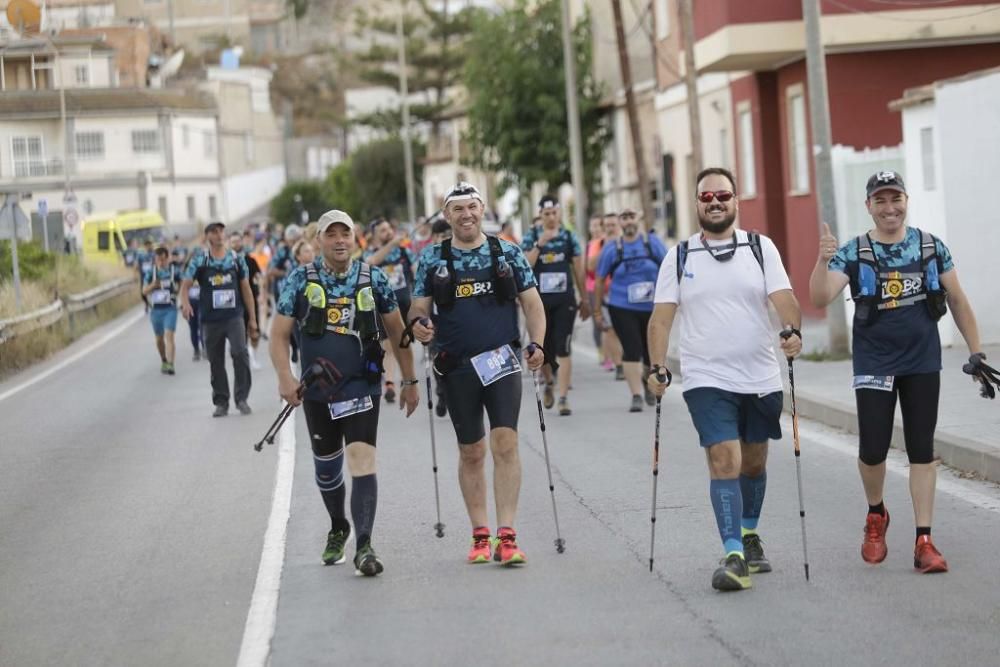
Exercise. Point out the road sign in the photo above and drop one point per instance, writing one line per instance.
(43, 208)
(70, 217)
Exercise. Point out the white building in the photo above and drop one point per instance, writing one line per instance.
(951, 130)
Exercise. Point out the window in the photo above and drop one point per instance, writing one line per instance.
(213, 210)
(161, 205)
(185, 136)
(209, 144)
(103, 240)
(248, 147)
(191, 209)
(89, 144)
(27, 156)
(82, 73)
(145, 141)
(798, 138)
(927, 157)
(748, 165)
(662, 18)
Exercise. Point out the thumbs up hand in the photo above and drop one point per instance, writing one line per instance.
(827, 243)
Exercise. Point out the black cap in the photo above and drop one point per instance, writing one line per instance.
(884, 180)
(215, 223)
(547, 201)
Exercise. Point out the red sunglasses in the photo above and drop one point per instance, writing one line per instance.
(721, 195)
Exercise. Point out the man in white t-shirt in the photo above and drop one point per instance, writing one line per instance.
(732, 379)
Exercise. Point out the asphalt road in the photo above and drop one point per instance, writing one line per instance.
(131, 528)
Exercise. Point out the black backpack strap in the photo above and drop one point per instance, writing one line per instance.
(495, 250)
(619, 256)
(682, 255)
(928, 250)
(753, 238)
(312, 275)
(446, 256)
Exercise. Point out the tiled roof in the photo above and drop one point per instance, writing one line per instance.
(98, 100)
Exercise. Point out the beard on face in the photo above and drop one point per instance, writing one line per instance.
(716, 227)
(630, 229)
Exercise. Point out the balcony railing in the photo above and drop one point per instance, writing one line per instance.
(28, 168)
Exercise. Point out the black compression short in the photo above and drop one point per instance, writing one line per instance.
(630, 327)
(918, 402)
(559, 320)
(466, 397)
(333, 434)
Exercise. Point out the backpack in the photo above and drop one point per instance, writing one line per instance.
(753, 240)
(620, 253)
(867, 281)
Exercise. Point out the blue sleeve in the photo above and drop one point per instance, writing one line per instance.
(606, 259)
(293, 286)
(528, 241)
(192, 267)
(848, 253)
(523, 274)
(427, 260)
(659, 249)
(147, 277)
(385, 298)
(947, 263)
(241, 267)
(577, 248)
(410, 257)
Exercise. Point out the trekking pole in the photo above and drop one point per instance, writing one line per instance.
(438, 527)
(560, 543)
(798, 459)
(322, 372)
(663, 375)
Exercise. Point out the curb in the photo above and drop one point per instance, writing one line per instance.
(953, 450)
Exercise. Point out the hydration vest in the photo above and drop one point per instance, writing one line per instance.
(874, 290)
(445, 286)
(221, 298)
(345, 331)
(171, 297)
(562, 266)
(753, 241)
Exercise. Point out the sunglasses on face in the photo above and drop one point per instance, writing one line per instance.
(722, 195)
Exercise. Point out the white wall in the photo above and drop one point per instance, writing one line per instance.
(249, 191)
(119, 158)
(200, 155)
(968, 118)
(51, 142)
(100, 69)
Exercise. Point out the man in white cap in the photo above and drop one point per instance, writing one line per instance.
(334, 300)
(477, 283)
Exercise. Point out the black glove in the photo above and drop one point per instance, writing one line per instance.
(987, 375)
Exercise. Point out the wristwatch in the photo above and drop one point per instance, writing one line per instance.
(407, 383)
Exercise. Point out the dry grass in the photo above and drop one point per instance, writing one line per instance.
(70, 276)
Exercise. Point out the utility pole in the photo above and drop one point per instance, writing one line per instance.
(411, 208)
(819, 116)
(573, 123)
(633, 118)
(691, 83)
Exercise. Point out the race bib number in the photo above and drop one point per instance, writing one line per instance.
(495, 364)
(880, 382)
(159, 296)
(350, 407)
(641, 292)
(146, 267)
(396, 275)
(194, 292)
(553, 283)
(224, 299)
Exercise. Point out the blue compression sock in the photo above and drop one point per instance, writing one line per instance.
(752, 489)
(727, 501)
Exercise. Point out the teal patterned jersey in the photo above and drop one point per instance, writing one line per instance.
(292, 303)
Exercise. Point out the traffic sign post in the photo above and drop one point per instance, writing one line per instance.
(43, 214)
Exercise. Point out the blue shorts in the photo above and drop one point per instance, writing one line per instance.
(721, 415)
(163, 319)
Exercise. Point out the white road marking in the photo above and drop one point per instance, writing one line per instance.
(263, 615)
(69, 360)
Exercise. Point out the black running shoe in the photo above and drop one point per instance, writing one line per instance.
(734, 575)
(754, 552)
(366, 562)
(221, 411)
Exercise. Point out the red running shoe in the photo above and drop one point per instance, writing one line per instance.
(926, 557)
(480, 551)
(873, 549)
(506, 551)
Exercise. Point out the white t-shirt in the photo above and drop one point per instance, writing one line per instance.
(726, 340)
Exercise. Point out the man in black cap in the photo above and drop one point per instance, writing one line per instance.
(902, 281)
(555, 254)
(225, 295)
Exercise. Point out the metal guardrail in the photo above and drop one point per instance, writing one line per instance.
(59, 309)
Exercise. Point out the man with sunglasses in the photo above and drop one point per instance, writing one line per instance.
(555, 254)
(902, 281)
(732, 378)
(632, 262)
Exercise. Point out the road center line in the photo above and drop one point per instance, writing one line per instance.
(263, 615)
(78, 355)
